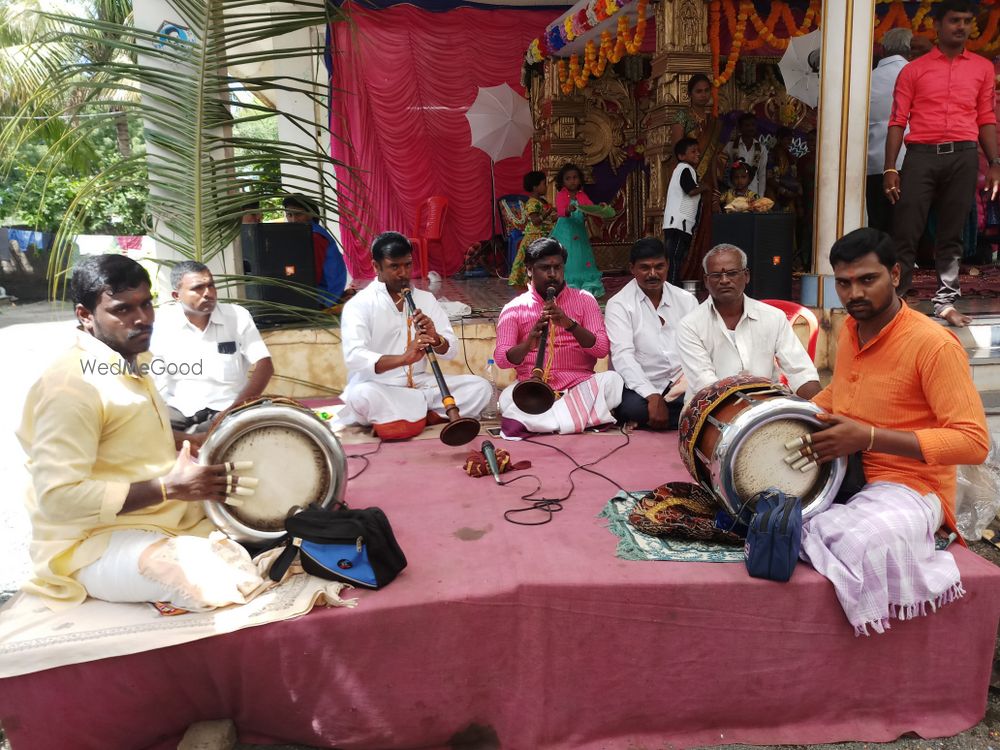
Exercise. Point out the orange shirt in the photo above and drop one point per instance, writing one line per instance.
(913, 376)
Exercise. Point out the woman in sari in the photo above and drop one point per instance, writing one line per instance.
(698, 122)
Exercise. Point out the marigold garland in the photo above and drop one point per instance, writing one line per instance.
(611, 49)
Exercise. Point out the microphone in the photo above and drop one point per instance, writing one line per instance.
(490, 454)
(550, 294)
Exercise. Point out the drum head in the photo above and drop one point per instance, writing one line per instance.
(759, 462)
(291, 470)
(297, 461)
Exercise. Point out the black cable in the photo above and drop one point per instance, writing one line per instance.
(552, 505)
(363, 457)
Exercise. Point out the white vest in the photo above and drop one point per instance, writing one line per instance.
(681, 210)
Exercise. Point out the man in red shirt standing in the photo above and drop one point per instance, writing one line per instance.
(948, 100)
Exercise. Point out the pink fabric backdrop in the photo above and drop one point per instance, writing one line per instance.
(402, 80)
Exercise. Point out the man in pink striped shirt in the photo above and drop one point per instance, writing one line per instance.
(576, 340)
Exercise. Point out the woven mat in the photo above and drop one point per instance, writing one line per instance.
(634, 545)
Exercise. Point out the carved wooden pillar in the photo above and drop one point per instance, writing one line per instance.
(682, 49)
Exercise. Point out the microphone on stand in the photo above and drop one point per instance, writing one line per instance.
(490, 454)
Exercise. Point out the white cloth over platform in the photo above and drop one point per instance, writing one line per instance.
(587, 404)
(372, 326)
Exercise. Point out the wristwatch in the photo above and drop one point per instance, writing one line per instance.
(572, 325)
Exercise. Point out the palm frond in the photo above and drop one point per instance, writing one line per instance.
(182, 85)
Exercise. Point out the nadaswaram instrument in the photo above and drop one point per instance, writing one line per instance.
(459, 430)
(732, 437)
(535, 396)
(297, 461)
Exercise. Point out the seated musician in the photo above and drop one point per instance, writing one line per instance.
(902, 395)
(576, 339)
(110, 501)
(731, 334)
(642, 321)
(390, 386)
(203, 351)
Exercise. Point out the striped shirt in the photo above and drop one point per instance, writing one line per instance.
(571, 363)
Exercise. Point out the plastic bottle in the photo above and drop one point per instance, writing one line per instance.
(492, 410)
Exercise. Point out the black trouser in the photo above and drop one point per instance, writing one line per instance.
(879, 208)
(948, 182)
(634, 408)
(677, 244)
(201, 420)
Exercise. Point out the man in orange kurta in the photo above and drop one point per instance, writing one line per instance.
(902, 395)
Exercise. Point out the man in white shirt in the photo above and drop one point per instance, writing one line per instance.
(732, 334)
(896, 43)
(390, 386)
(747, 147)
(642, 321)
(203, 351)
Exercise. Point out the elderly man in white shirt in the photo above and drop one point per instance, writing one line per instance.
(203, 351)
(389, 386)
(642, 321)
(896, 44)
(732, 334)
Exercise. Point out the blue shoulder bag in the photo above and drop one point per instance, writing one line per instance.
(774, 536)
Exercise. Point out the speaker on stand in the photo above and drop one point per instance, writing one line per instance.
(283, 252)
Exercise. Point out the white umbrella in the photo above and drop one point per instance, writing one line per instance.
(500, 121)
(801, 81)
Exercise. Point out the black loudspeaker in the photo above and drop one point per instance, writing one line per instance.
(769, 242)
(283, 252)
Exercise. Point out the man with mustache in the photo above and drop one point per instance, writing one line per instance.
(575, 340)
(204, 351)
(110, 499)
(947, 98)
(732, 334)
(390, 386)
(642, 321)
(902, 397)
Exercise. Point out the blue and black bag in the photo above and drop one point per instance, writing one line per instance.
(774, 536)
(342, 544)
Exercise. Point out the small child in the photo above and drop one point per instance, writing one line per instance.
(539, 220)
(681, 211)
(581, 271)
(740, 177)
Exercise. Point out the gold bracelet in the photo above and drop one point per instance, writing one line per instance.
(163, 489)
(890, 170)
(871, 441)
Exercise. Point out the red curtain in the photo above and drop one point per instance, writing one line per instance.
(402, 80)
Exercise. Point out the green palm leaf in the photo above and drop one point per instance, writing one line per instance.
(192, 93)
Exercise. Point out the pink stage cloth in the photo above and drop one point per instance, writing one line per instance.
(540, 635)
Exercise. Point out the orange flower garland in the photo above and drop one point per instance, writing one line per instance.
(595, 59)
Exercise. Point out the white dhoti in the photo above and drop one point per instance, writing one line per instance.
(586, 404)
(374, 403)
(190, 572)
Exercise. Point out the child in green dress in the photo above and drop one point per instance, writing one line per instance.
(571, 230)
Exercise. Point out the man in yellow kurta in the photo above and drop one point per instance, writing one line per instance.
(108, 488)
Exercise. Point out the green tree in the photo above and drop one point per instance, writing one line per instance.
(206, 150)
